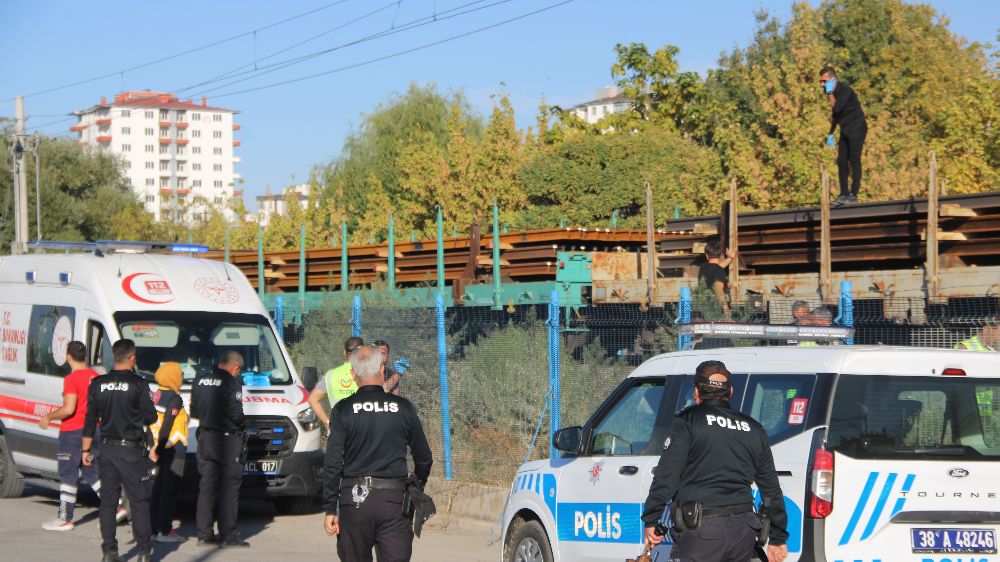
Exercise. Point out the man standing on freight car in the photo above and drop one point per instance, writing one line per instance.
(845, 110)
(711, 458)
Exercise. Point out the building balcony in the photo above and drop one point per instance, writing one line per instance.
(236, 143)
(166, 141)
(103, 121)
(181, 124)
(104, 138)
(165, 191)
(237, 193)
(237, 127)
(183, 191)
(165, 124)
(77, 128)
(182, 142)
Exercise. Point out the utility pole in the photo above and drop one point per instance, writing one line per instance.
(17, 142)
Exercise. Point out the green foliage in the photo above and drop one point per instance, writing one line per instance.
(84, 195)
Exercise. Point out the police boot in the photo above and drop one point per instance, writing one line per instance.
(145, 557)
(111, 556)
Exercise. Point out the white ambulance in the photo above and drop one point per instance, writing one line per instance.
(883, 454)
(175, 308)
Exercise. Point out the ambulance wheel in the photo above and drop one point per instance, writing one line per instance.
(11, 483)
(295, 505)
(527, 542)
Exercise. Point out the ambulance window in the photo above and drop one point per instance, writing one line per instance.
(99, 346)
(780, 403)
(626, 428)
(50, 330)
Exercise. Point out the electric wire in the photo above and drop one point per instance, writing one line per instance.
(178, 54)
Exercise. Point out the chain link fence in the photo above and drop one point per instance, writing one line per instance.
(498, 361)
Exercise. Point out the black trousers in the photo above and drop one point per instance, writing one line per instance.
(378, 523)
(164, 501)
(126, 467)
(221, 476)
(725, 538)
(852, 141)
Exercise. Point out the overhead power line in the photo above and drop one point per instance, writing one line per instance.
(179, 54)
(398, 53)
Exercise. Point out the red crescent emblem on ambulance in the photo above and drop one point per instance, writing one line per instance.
(305, 394)
(148, 288)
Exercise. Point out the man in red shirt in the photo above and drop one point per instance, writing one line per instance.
(72, 413)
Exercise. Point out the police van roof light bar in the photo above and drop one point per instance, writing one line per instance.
(127, 246)
(767, 331)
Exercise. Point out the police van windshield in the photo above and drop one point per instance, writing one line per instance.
(890, 417)
(197, 340)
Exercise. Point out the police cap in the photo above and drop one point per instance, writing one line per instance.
(702, 375)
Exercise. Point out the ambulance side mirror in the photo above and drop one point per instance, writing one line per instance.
(567, 439)
(310, 376)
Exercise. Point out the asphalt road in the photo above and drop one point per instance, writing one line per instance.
(272, 537)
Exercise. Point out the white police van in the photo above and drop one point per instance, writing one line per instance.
(883, 454)
(175, 308)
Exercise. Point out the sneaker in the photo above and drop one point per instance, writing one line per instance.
(121, 515)
(840, 201)
(852, 198)
(212, 541)
(58, 525)
(171, 537)
(111, 557)
(235, 542)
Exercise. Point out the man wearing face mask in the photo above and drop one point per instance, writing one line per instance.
(846, 112)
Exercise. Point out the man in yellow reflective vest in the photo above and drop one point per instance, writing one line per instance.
(985, 340)
(338, 383)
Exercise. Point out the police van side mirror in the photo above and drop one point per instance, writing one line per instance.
(568, 439)
(310, 376)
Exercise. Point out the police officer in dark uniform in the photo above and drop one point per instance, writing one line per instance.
(709, 461)
(365, 473)
(217, 403)
(121, 404)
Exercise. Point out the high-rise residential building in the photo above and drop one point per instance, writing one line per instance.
(178, 154)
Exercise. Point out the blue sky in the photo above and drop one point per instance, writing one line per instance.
(562, 54)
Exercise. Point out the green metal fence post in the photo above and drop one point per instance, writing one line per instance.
(227, 245)
(302, 269)
(440, 251)
(260, 260)
(391, 276)
(497, 290)
(343, 255)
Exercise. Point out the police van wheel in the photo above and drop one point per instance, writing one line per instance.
(527, 542)
(11, 483)
(296, 505)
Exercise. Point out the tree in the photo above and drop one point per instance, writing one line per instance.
(84, 195)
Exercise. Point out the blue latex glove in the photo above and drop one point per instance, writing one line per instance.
(830, 142)
(830, 85)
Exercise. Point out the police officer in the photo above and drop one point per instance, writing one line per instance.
(120, 402)
(712, 456)
(217, 403)
(365, 474)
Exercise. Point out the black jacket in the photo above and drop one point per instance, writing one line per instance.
(217, 401)
(369, 433)
(847, 110)
(120, 402)
(712, 456)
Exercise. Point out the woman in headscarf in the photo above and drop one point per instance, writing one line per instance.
(170, 433)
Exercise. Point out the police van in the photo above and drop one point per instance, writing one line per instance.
(175, 308)
(883, 454)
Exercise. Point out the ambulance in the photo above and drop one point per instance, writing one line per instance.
(175, 308)
(883, 454)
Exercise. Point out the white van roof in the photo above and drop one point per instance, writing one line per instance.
(862, 360)
(138, 281)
